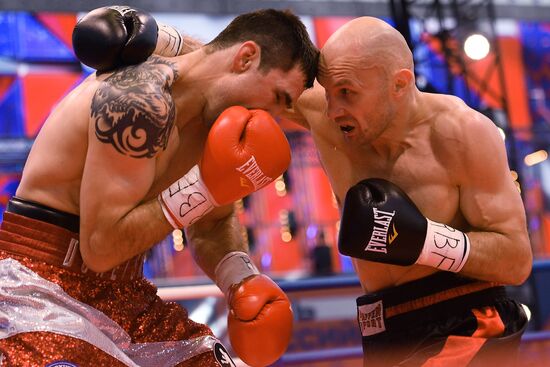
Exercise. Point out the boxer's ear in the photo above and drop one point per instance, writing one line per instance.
(247, 56)
(402, 80)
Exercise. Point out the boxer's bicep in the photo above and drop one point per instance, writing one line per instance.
(112, 186)
(130, 121)
(492, 206)
(489, 199)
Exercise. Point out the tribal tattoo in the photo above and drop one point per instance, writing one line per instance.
(133, 109)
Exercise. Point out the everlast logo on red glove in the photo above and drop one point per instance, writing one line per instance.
(254, 173)
(379, 238)
(243, 151)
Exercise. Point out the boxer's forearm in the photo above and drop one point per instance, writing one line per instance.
(106, 244)
(211, 238)
(499, 258)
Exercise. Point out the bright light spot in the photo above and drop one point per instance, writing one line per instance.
(527, 311)
(280, 186)
(477, 46)
(177, 238)
(535, 157)
(22, 70)
(502, 133)
(286, 236)
(514, 175)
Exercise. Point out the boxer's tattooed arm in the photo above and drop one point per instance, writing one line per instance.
(133, 109)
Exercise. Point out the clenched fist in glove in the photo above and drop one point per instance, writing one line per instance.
(381, 223)
(244, 151)
(260, 317)
(113, 36)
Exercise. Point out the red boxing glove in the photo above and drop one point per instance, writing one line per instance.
(260, 317)
(259, 311)
(244, 151)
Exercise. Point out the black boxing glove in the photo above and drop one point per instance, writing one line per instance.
(113, 36)
(381, 223)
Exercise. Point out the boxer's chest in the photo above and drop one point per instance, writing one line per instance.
(183, 151)
(421, 173)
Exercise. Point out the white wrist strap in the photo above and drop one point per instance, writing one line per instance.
(186, 200)
(444, 248)
(232, 269)
(170, 41)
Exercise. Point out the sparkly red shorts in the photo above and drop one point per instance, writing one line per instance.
(52, 295)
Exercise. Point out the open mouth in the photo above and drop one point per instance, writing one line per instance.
(346, 128)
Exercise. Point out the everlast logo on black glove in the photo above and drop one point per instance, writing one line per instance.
(380, 238)
(381, 223)
(373, 211)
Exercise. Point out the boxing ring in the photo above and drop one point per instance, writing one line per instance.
(336, 294)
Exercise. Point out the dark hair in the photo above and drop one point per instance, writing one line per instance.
(282, 36)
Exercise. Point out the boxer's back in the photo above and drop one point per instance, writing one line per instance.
(53, 170)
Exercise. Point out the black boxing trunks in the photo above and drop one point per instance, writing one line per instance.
(56, 312)
(441, 320)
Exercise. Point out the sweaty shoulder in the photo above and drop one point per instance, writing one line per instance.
(133, 110)
(460, 134)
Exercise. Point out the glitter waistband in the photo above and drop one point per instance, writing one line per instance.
(33, 304)
(55, 245)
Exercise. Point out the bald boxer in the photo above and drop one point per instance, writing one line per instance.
(430, 214)
(143, 146)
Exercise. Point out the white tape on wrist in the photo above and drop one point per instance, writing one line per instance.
(232, 269)
(444, 248)
(186, 200)
(170, 41)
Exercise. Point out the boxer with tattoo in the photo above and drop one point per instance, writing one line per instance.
(145, 145)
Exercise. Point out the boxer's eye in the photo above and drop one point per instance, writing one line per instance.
(344, 91)
(346, 128)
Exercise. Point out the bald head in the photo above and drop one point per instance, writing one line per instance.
(369, 42)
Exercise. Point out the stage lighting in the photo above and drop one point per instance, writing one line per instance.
(535, 157)
(177, 239)
(476, 46)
